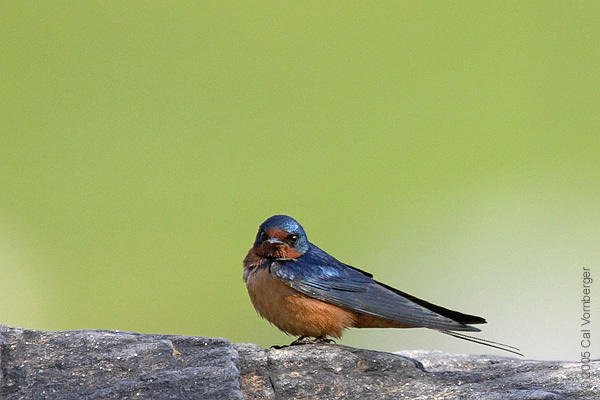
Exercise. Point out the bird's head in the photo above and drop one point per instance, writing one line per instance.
(280, 237)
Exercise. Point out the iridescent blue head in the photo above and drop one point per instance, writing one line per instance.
(281, 236)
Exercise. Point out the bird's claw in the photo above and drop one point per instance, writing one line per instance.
(307, 340)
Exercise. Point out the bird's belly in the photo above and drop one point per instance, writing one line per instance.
(294, 312)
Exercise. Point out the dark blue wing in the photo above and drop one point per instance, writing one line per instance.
(321, 276)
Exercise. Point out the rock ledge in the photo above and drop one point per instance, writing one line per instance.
(96, 364)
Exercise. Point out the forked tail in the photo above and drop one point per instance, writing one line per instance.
(489, 343)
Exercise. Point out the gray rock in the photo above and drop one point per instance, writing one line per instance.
(340, 372)
(93, 364)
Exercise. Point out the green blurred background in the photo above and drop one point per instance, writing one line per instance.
(450, 148)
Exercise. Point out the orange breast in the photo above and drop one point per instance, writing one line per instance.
(294, 312)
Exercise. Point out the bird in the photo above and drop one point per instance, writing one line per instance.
(306, 292)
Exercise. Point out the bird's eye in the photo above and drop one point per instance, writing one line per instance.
(263, 236)
(291, 239)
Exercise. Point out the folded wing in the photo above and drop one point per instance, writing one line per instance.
(319, 275)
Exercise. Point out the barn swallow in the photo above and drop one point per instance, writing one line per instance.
(306, 292)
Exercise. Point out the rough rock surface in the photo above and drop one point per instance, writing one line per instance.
(336, 372)
(93, 364)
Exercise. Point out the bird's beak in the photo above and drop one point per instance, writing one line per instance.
(273, 241)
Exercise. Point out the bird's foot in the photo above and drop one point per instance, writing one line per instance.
(307, 340)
